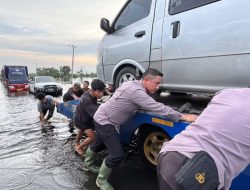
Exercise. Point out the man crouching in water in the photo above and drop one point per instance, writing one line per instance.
(46, 103)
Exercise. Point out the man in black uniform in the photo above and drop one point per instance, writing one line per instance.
(83, 118)
(74, 93)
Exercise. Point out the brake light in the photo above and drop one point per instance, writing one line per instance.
(27, 86)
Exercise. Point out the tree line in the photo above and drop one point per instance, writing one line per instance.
(64, 73)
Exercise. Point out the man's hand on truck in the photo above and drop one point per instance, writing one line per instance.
(189, 117)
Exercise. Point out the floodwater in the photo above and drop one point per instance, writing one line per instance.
(34, 159)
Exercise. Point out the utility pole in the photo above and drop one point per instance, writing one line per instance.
(73, 54)
(36, 69)
(81, 74)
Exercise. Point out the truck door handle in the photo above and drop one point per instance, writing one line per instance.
(175, 29)
(140, 34)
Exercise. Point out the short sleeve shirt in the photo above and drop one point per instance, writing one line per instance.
(48, 104)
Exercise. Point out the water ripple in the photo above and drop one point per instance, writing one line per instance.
(32, 158)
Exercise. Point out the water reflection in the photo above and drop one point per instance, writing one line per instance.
(32, 158)
(15, 94)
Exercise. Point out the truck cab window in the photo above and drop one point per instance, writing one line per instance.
(178, 6)
(134, 11)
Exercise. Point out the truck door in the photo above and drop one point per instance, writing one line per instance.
(129, 44)
(205, 45)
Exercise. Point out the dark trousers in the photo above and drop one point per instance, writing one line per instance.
(51, 112)
(169, 164)
(107, 136)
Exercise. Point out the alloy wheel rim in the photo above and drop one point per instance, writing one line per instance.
(126, 77)
(152, 146)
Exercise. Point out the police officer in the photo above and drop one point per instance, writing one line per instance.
(129, 98)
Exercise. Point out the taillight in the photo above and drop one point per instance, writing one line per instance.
(26, 86)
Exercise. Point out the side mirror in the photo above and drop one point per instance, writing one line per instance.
(106, 26)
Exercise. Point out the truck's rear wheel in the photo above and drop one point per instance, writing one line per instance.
(150, 143)
(126, 74)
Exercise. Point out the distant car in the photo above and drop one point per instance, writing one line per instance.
(46, 84)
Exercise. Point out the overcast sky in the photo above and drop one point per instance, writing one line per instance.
(37, 32)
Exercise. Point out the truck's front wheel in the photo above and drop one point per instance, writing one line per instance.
(126, 74)
(150, 143)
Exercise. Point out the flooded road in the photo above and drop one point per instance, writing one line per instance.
(34, 159)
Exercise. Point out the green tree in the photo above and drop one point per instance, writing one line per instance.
(65, 73)
(65, 70)
(32, 75)
(80, 74)
(48, 72)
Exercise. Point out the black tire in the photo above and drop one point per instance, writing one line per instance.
(126, 74)
(151, 140)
